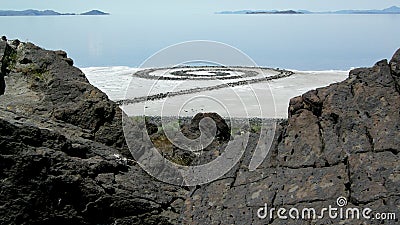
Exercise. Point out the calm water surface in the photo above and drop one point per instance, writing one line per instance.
(303, 42)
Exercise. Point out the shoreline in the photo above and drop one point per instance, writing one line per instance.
(114, 81)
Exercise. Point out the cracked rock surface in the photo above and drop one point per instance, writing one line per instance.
(62, 149)
(341, 140)
(63, 157)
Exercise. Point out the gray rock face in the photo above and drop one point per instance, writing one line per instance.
(341, 140)
(62, 150)
(63, 157)
(56, 90)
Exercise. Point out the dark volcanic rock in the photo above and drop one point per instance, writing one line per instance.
(62, 150)
(223, 131)
(6, 55)
(210, 124)
(341, 140)
(56, 90)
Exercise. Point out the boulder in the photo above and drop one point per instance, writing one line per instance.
(223, 131)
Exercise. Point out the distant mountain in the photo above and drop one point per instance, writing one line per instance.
(236, 12)
(33, 12)
(390, 10)
(393, 9)
(261, 12)
(276, 12)
(29, 12)
(94, 13)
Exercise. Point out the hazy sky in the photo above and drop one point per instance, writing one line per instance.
(200, 6)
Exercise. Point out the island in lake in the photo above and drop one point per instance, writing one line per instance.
(390, 10)
(33, 12)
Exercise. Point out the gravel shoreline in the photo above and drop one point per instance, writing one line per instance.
(187, 119)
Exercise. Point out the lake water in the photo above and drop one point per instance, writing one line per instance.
(302, 42)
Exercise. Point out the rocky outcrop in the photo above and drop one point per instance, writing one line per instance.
(62, 149)
(52, 88)
(63, 157)
(341, 140)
